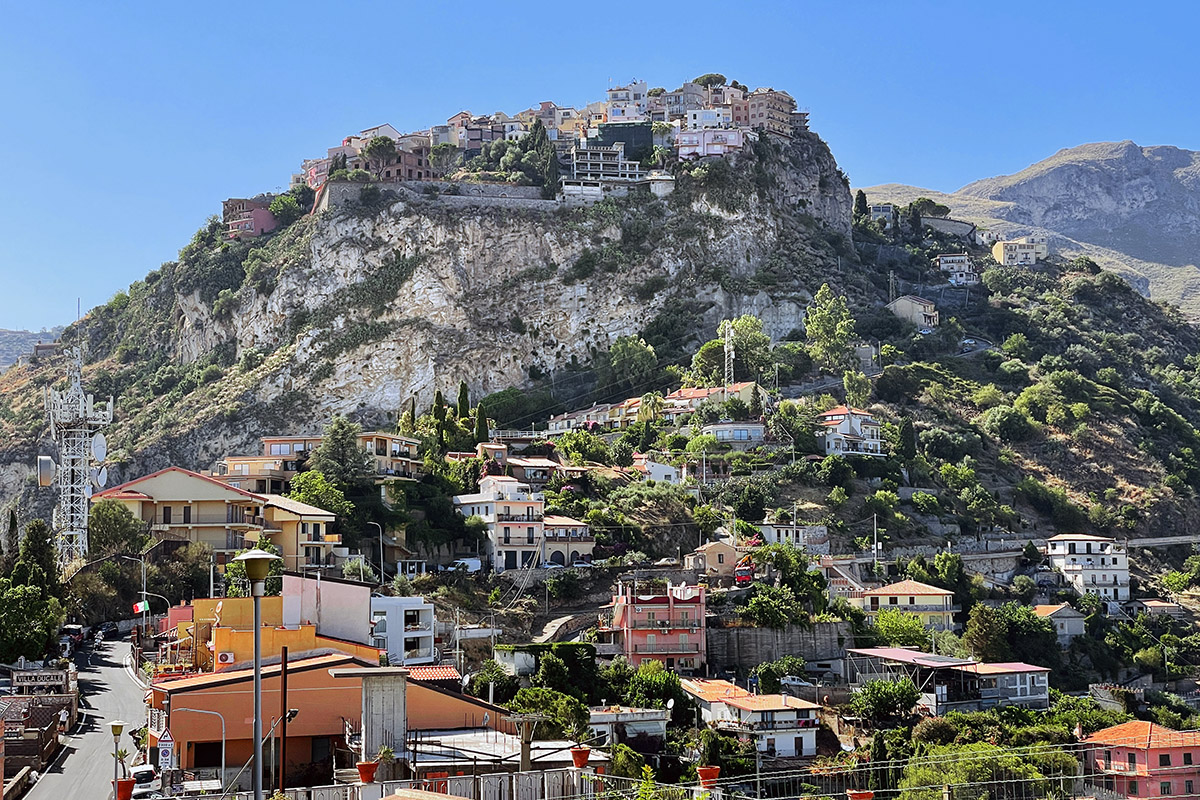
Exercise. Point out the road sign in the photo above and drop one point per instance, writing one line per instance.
(166, 758)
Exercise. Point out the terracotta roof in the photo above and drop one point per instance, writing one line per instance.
(238, 675)
(122, 494)
(124, 486)
(434, 672)
(843, 410)
(908, 587)
(768, 702)
(712, 691)
(1144, 735)
(1049, 610)
(1159, 604)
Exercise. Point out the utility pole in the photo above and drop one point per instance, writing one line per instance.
(875, 547)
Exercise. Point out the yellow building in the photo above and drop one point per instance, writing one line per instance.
(183, 505)
(934, 606)
(300, 531)
(1021, 252)
(917, 310)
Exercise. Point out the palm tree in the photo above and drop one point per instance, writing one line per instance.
(651, 407)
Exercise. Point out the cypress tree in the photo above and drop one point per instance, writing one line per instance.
(439, 406)
(481, 425)
(908, 440)
(464, 401)
(861, 210)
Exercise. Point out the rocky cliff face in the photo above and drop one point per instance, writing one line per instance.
(358, 309)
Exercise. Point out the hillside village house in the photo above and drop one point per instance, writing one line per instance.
(709, 142)
(1092, 565)
(567, 540)
(688, 399)
(772, 111)
(1021, 252)
(935, 607)
(917, 310)
(301, 532)
(514, 518)
(779, 725)
(180, 504)
(715, 559)
(658, 625)
(850, 431)
(404, 628)
(958, 269)
(1140, 759)
(653, 470)
(885, 213)
(534, 470)
(248, 217)
(738, 435)
(814, 539)
(1068, 623)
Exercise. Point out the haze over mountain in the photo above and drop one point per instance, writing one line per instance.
(1134, 209)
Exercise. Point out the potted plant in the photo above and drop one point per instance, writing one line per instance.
(123, 787)
(367, 769)
(581, 752)
(708, 751)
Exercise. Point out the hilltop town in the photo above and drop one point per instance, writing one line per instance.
(900, 510)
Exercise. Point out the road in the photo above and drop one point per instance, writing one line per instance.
(83, 770)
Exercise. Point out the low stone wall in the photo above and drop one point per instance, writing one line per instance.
(339, 194)
(745, 648)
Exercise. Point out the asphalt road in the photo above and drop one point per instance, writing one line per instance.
(83, 769)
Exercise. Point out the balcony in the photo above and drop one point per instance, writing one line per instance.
(658, 624)
(767, 725)
(207, 521)
(418, 653)
(324, 539)
(537, 517)
(678, 647)
(917, 609)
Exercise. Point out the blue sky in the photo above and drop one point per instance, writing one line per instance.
(124, 125)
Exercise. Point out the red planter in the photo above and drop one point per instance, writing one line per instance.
(123, 788)
(860, 794)
(367, 770)
(579, 755)
(708, 776)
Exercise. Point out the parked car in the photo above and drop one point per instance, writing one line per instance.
(146, 793)
(143, 775)
(466, 564)
(552, 565)
(581, 564)
(968, 342)
(926, 331)
(107, 630)
(667, 562)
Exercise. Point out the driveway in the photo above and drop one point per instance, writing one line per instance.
(83, 768)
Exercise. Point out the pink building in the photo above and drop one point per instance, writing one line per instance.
(1140, 759)
(657, 625)
(248, 217)
(709, 142)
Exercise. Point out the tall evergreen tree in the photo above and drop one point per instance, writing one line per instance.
(908, 440)
(879, 777)
(37, 563)
(439, 406)
(340, 459)
(861, 210)
(464, 401)
(12, 543)
(481, 426)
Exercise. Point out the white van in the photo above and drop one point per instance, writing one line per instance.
(467, 564)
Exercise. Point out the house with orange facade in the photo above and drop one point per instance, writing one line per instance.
(658, 625)
(1140, 759)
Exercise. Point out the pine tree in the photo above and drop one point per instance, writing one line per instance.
(481, 426)
(464, 401)
(861, 210)
(340, 459)
(439, 406)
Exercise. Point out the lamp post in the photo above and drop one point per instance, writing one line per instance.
(116, 726)
(222, 718)
(142, 559)
(380, 527)
(258, 564)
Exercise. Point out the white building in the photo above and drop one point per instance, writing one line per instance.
(850, 431)
(780, 725)
(1092, 565)
(604, 163)
(618, 724)
(662, 473)
(627, 103)
(404, 626)
(1068, 623)
(813, 538)
(738, 435)
(702, 118)
(513, 515)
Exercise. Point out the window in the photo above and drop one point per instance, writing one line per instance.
(529, 536)
(893, 601)
(1164, 788)
(506, 534)
(1133, 787)
(166, 515)
(1189, 788)
(1132, 760)
(187, 514)
(1164, 759)
(720, 558)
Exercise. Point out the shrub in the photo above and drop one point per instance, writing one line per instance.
(926, 503)
(211, 373)
(1006, 423)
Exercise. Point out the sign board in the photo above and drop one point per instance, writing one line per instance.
(165, 739)
(49, 677)
(166, 757)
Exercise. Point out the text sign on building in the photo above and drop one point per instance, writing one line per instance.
(166, 751)
(40, 678)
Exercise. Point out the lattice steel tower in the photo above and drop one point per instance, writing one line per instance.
(74, 422)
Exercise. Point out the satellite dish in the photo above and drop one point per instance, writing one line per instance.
(102, 477)
(99, 447)
(486, 718)
(671, 704)
(45, 471)
(87, 491)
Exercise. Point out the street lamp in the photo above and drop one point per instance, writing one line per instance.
(258, 564)
(222, 718)
(116, 726)
(142, 559)
(380, 527)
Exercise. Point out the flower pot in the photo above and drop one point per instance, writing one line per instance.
(708, 776)
(860, 794)
(579, 755)
(123, 788)
(367, 770)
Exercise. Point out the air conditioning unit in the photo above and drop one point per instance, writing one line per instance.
(225, 658)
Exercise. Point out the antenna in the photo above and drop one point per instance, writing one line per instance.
(74, 419)
(727, 330)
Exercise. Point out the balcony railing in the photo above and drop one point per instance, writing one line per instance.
(206, 521)
(325, 538)
(678, 647)
(519, 517)
(673, 622)
(917, 608)
(767, 725)
(419, 652)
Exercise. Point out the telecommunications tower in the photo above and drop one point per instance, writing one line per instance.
(74, 422)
